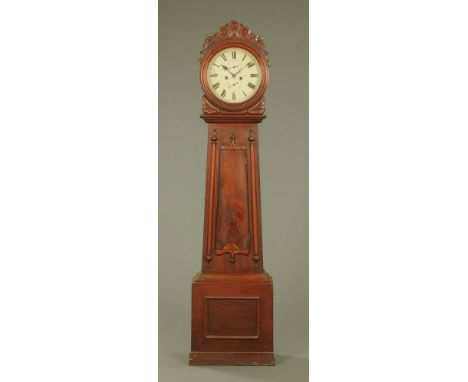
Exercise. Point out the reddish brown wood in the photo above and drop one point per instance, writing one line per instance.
(232, 235)
(219, 313)
(232, 314)
(232, 298)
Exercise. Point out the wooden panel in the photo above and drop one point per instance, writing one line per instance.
(237, 318)
(232, 231)
(232, 317)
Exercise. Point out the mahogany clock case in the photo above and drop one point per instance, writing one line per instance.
(232, 297)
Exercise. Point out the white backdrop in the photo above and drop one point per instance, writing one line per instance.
(78, 191)
(389, 186)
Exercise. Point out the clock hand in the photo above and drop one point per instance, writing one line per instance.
(235, 83)
(240, 70)
(227, 68)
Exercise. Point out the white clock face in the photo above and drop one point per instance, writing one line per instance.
(234, 75)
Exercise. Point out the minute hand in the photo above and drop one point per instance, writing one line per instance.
(240, 70)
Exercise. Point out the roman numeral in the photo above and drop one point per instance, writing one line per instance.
(250, 64)
(224, 57)
(215, 65)
(254, 75)
(216, 75)
(244, 93)
(216, 85)
(245, 55)
(233, 54)
(223, 94)
(251, 85)
(233, 96)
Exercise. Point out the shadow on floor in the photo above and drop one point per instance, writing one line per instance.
(287, 368)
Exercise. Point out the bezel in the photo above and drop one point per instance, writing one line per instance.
(228, 106)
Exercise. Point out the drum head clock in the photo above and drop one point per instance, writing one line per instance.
(232, 296)
(234, 71)
(234, 75)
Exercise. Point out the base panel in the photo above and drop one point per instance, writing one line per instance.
(231, 359)
(232, 320)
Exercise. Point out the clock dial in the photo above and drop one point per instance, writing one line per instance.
(234, 75)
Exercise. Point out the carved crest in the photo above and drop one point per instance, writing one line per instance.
(234, 30)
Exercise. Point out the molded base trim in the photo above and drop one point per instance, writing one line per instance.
(232, 358)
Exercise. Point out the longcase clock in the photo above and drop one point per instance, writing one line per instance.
(232, 296)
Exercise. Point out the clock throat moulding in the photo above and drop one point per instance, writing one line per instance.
(232, 296)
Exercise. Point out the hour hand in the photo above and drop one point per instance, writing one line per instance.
(240, 70)
(226, 68)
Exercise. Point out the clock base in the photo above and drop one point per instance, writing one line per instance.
(232, 319)
(231, 359)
